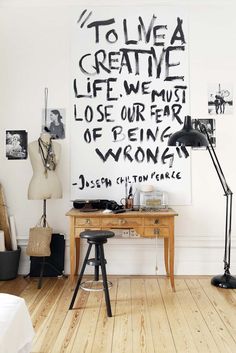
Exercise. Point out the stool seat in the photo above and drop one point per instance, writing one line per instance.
(96, 234)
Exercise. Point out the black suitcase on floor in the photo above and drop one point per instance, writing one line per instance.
(54, 264)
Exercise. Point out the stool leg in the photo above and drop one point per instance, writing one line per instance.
(96, 267)
(80, 277)
(104, 278)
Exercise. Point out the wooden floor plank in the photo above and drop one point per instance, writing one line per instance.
(32, 294)
(68, 331)
(40, 295)
(1, 284)
(161, 330)
(46, 306)
(142, 335)
(122, 334)
(222, 337)
(179, 326)
(87, 327)
(102, 342)
(44, 315)
(225, 304)
(55, 320)
(202, 337)
(14, 287)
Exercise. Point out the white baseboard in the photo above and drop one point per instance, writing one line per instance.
(193, 256)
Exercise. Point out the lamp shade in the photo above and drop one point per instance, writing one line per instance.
(188, 136)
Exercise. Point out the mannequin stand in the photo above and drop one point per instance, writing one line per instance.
(44, 262)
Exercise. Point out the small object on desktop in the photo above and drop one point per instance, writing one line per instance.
(153, 200)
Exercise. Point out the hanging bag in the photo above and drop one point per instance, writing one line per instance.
(39, 240)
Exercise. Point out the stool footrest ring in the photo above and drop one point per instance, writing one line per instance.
(94, 286)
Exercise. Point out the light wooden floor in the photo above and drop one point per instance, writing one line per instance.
(147, 316)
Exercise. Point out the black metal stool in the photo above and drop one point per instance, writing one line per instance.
(97, 238)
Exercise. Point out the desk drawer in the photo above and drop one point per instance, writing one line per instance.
(87, 222)
(159, 232)
(121, 222)
(156, 221)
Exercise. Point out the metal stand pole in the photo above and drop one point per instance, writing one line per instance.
(225, 280)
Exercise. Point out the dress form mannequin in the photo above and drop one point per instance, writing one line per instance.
(44, 184)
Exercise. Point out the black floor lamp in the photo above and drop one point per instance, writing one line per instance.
(188, 136)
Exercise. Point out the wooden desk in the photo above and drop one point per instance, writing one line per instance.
(148, 224)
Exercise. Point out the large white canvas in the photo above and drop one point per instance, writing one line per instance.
(129, 93)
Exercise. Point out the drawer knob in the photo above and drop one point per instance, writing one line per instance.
(87, 221)
(156, 231)
(122, 221)
(156, 221)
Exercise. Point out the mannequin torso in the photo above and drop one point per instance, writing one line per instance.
(45, 183)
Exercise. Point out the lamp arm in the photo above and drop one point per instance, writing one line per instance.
(229, 197)
(215, 160)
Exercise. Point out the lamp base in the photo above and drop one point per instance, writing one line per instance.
(224, 281)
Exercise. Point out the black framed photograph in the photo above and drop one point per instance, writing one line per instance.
(16, 144)
(54, 122)
(220, 99)
(210, 128)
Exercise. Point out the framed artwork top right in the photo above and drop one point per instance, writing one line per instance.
(220, 99)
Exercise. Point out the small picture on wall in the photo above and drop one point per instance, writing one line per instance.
(220, 99)
(54, 122)
(16, 144)
(210, 127)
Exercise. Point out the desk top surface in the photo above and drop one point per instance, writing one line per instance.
(128, 213)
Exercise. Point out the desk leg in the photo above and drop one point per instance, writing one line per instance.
(171, 249)
(77, 245)
(166, 255)
(72, 249)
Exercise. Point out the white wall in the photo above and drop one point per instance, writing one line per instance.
(35, 53)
